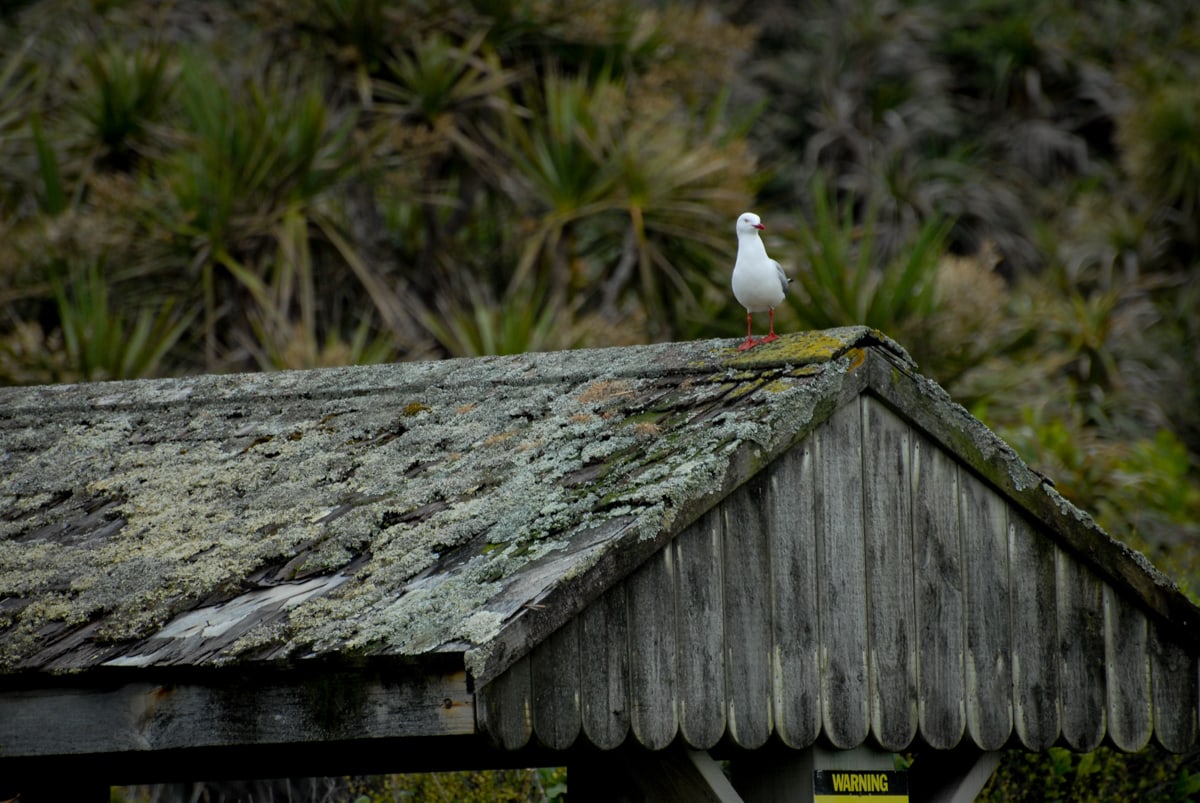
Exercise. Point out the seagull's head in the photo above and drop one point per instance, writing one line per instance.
(749, 223)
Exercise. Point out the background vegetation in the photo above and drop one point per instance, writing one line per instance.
(1010, 188)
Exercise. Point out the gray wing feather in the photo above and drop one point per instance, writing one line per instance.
(783, 279)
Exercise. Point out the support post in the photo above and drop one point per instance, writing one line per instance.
(951, 776)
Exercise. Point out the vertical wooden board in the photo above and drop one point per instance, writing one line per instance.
(604, 669)
(1126, 650)
(1035, 634)
(554, 673)
(989, 618)
(939, 596)
(1080, 605)
(748, 613)
(796, 681)
(1173, 684)
(887, 479)
(652, 651)
(505, 707)
(841, 577)
(700, 632)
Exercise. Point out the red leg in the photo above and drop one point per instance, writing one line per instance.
(771, 334)
(750, 341)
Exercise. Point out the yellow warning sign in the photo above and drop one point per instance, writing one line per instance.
(867, 786)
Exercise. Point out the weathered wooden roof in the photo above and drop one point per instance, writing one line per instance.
(807, 539)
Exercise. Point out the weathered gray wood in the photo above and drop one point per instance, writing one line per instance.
(841, 577)
(1035, 641)
(748, 614)
(989, 629)
(939, 578)
(1081, 639)
(263, 708)
(554, 673)
(1173, 684)
(892, 660)
(652, 651)
(1126, 648)
(701, 632)
(506, 707)
(964, 436)
(794, 667)
(604, 669)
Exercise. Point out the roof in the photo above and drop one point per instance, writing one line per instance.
(387, 510)
(447, 516)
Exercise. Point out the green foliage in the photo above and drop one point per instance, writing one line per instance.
(512, 326)
(1143, 489)
(846, 279)
(546, 785)
(1097, 777)
(54, 196)
(438, 78)
(15, 82)
(1161, 135)
(101, 343)
(251, 154)
(128, 93)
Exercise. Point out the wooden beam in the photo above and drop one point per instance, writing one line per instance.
(256, 762)
(232, 708)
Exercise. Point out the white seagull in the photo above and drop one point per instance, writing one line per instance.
(758, 281)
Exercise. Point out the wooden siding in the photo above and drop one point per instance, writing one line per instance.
(868, 587)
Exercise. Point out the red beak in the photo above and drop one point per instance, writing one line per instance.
(759, 226)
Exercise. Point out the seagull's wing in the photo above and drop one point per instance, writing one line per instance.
(783, 277)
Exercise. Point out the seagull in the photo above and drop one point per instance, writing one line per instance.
(758, 281)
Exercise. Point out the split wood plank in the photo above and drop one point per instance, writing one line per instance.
(841, 579)
(1173, 685)
(1126, 678)
(1035, 640)
(989, 629)
(506, 707)
(604, 669)
(940, 597)
(652, 650)
(795, 634)
(701, 631)
(1081, 639)
(748, 614)
(887, 477)
(554, 673)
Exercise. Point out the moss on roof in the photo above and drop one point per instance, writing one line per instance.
(382, 510)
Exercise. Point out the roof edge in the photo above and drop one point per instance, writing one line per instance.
(954, 428)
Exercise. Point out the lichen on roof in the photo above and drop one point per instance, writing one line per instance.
(443, 497)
